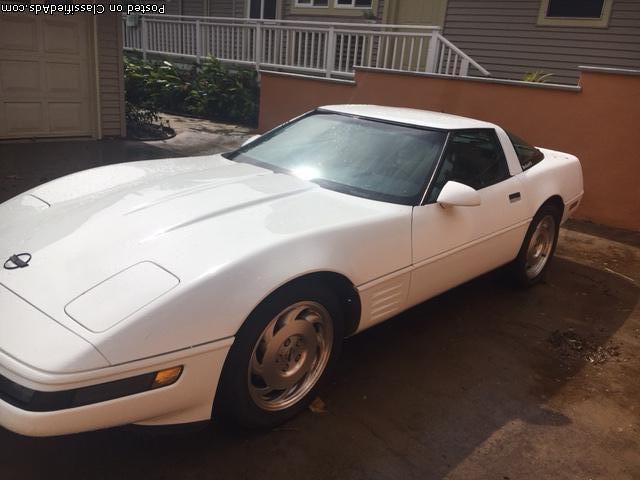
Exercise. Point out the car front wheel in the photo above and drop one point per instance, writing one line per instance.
(281, 355)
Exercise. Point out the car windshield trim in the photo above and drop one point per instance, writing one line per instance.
(376, 119)
(412, 200)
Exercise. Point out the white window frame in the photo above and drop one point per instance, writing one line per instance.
(353, 5)
(602, 22)
(332, 8)
(306, 5)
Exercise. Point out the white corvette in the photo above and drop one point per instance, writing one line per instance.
(168, 291)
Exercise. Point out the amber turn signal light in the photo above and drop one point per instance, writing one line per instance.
(166, 377)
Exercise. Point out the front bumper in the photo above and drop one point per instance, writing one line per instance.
(189, 399)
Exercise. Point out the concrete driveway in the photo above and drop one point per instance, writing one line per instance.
(23, 165)
(485, 381)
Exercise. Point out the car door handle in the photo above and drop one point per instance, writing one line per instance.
(514, 197)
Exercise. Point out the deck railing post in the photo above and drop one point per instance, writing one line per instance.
(432, 52)
(330, 54)
(258, 45)
(198, 41)
(145, 38)
(464, 67)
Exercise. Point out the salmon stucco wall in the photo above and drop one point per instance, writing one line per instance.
(599, 121)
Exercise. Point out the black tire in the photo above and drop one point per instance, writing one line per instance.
(520, 269)
(234, 402)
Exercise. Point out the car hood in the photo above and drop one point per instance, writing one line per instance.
(164, 224)
(84, 228)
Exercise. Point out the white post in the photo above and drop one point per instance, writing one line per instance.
(432, 52)
(464, 67)
(145, 39)
(198, 41)
(330, 54)
(258, 45)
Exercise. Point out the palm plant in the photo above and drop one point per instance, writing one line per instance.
(536, 77)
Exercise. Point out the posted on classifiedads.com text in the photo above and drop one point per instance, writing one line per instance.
(78, 8)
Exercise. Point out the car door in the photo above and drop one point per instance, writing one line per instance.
(456, 243)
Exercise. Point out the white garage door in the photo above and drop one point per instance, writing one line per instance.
(45, 76)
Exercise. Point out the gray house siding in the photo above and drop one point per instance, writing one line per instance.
(227, 8)
(110, 74)
(173, 7)
(193, 7)
(503, 36)
(185, 7)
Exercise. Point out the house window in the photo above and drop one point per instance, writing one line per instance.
(575, 13)
(338, 8)
(575, 8)
(312, 3)
(353, 3)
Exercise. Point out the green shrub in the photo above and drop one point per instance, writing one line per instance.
(161, 84)
(220, 93)
(209, 90)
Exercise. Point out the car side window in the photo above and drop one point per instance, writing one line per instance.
(528, 155)
(472, 157)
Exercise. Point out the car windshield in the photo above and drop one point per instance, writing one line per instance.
(362, 157)
(527, 154)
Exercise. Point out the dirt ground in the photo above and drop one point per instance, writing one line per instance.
(485, 381)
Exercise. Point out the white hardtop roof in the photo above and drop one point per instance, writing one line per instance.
(423, 118)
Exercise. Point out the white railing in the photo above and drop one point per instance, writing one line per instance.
(317, 48)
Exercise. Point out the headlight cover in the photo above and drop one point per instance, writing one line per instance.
(120, 296)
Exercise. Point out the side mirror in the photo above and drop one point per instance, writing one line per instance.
(250, 139)
(458, 195)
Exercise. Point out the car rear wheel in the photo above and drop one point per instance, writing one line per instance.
(538, 247)
(281, 355)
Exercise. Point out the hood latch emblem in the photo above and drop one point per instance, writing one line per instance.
(20, 260)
